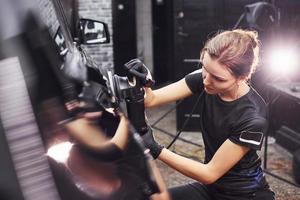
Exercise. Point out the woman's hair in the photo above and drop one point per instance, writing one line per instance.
(237, 49)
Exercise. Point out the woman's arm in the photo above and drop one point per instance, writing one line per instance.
(224, 159)
(92, 137)
(164, 193)
(167, 94)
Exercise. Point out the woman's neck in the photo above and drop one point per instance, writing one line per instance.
(235, 93)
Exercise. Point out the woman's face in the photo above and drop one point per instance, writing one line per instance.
(217, 78)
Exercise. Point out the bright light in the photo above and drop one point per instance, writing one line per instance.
(283, 60)
(60, 152)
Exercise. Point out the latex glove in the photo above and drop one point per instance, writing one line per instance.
(137, 68)
(95, 95)
(150, 143)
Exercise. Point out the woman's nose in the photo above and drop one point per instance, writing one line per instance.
(206, 79)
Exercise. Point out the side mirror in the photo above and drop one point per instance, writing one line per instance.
(93, 32)
(60, 42)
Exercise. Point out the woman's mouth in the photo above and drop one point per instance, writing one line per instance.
(208, 89)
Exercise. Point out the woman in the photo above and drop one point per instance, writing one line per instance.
(106, 163)
(233, 121)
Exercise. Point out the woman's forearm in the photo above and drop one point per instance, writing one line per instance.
(193, 169)
(121, 136)
(85, 133)
(167, 94)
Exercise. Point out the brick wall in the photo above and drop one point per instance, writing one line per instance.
(94, 9)
(99, 10)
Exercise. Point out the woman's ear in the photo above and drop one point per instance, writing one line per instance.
(242, 79)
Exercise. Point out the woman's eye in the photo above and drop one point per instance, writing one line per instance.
(218, 79)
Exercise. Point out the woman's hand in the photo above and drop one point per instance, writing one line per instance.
(79, 109)
(149, 96)
(122, 133)
(91, 135)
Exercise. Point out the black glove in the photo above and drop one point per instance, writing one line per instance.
(95, 96)
(137, 68)
(154, 147)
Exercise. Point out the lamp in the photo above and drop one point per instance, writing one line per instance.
(259, 16)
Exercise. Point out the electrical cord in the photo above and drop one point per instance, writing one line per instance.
(186, 121)
(179, 138)
(163, 116)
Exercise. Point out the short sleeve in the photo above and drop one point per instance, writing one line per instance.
(250, 133)
(194, 81)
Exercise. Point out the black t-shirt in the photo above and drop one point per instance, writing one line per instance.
(242, 121)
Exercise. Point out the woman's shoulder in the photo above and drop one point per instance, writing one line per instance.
(255, 94)
(252, 108)
(256, 100)
(194, 81)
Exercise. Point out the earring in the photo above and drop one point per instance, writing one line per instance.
(237, 90)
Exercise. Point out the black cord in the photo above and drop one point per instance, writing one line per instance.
(163, 116)
(186, 121)
(179, 138)
(239, 21)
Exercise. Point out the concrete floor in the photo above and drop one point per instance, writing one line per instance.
(279, 160)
